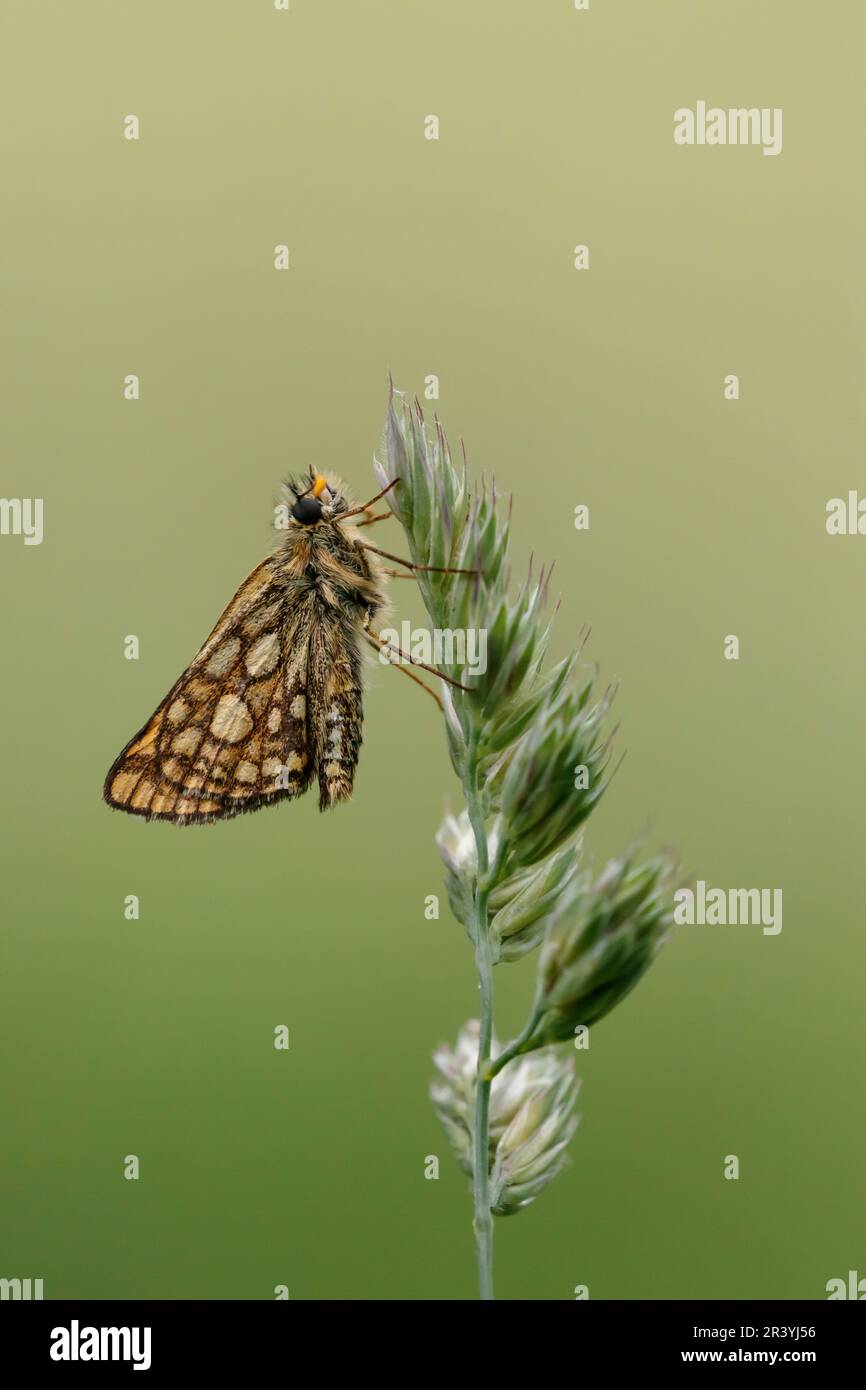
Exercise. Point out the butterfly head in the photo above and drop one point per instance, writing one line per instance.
(319, 500)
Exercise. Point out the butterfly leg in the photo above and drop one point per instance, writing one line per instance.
(410, 564)
(411, 674)
(356, 511)
(372, 519)
(386, 646)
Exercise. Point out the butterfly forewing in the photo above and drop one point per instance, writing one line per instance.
(231, 734)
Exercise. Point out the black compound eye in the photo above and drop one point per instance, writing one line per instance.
(307, 510)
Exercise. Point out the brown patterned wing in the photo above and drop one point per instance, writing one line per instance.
(335, 699)
(232, 734)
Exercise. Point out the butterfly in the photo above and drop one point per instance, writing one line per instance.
(274, 696)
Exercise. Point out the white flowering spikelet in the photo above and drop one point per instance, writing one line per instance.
(531, 1116)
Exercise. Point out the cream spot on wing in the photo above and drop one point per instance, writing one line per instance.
(200, 690)
(246, 772)
(261, 618)
(123, 784)
(209, 771)
(333, 769)
(224, 658)
(273, 768)
(187, 741)
(274, 719)
(178, 712)
(232, 720)
(262, 658)
(142, 794)
(174, 770)
(163, 801)
(187, 807)
(298, 707)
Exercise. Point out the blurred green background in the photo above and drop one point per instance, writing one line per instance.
(453, 257)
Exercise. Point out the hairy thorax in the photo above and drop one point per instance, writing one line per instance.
(328, 563)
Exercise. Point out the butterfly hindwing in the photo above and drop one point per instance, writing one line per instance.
(335, 695)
